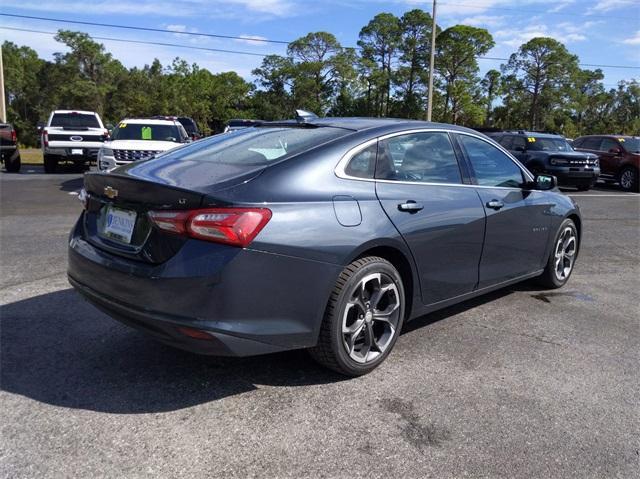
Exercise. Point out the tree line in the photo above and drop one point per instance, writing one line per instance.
(540, 87)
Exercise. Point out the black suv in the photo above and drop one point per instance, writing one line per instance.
(553, 155)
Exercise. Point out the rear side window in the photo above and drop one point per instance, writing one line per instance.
(421, 157)
(363, 163)
(490, 165)
(591, 143)
(75, 120)
(256, 146)
(519, 143)
(506, 141)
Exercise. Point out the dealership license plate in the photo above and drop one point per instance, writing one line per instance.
(76, 151)
(119, 224)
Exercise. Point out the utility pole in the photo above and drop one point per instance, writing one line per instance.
(3, 108)
(432, 61)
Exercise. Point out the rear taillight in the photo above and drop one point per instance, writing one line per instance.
(233, 226)
(14, 136)
(45, 138)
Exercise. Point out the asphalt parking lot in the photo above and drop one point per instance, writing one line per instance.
(520, 383)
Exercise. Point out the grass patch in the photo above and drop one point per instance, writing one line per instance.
(31, 156)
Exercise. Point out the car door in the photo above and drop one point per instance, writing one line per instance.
(420, 187)
(609, 159)
(517, 219)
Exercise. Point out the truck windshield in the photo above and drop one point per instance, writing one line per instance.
(548, 144)
(75, 120)
(142, 131)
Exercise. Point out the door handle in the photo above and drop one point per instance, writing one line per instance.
(410, 206)
(495, 204)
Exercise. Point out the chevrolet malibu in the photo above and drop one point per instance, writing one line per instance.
(327, 234)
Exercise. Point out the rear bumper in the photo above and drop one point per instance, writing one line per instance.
(88, 152)
(250, 302)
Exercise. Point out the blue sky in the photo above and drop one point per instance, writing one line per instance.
(598, 31)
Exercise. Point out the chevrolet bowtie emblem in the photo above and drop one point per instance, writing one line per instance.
(110, 192)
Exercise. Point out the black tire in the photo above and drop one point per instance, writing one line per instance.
(50, 164)
(550, 278)
(628, 179)
(13, 166)
(331, 349)
(583, 187)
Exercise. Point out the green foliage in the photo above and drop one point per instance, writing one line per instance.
(540, 87)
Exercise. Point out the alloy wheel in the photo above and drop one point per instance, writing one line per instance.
(371, 317)
(627, 179)
(565, 253)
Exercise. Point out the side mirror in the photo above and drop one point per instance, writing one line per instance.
(545, 182)
(40, 126)
(615, 151)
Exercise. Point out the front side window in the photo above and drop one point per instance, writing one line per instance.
(519, 143)
(490, 165)
(608, 144)
(426, 157)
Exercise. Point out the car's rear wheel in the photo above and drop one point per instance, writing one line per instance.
(363, 318)
(629, 179)
(50, 164)
(563, 256)
(13, 166)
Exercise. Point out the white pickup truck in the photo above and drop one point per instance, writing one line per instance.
(72, 135)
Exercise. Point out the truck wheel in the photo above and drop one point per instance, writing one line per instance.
(50, 164)
(13, 166)
(628, 179)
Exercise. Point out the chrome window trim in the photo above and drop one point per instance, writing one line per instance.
(344, 161)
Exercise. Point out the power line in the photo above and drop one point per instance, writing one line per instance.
(146, 29)
(124, 40)
(591, 65)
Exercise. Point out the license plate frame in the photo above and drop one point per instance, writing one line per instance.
(119, 224)
(77, 151)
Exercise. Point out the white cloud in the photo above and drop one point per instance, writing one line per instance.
(565, 32)
(606, 5)
(483, 21)
(177, 28)
(634, 40)
(254, 40)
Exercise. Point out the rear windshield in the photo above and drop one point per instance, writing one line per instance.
(256, 146)
(141, 131)
(548, 144)
(75, 120)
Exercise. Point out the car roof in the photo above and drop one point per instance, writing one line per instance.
(535, 134)
(80, 112)
(364, 123)
(609, 136)
(148, 121)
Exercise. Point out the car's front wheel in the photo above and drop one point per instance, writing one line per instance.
(563, 256)
(363, 318)
(13, 166)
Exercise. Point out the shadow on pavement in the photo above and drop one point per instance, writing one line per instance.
(58, 349)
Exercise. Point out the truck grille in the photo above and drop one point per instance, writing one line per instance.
(127, 156)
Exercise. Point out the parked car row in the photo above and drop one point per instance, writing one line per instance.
(579, 162)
